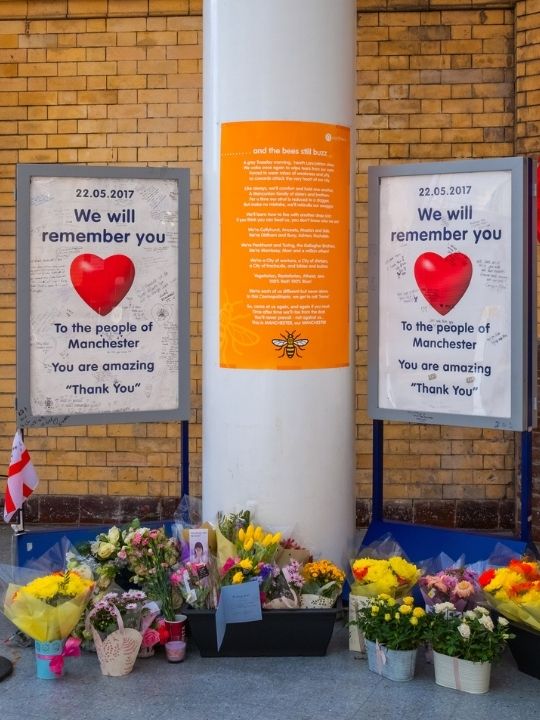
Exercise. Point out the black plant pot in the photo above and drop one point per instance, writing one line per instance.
(525, 648)
(280, 633)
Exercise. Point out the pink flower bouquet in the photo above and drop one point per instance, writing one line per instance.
(458, 586)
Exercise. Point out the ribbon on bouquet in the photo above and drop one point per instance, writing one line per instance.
(380, 657)
(72, 648)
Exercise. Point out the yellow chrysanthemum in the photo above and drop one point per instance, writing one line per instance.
(409, 600)
(405, 609)
(418, 612)
(237, 578)
(246, 564)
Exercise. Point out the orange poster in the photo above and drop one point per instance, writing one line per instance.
(284, 266)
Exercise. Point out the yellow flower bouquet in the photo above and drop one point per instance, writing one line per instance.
(514, 591)
(392, 576)
(48, 608)
(254, 551)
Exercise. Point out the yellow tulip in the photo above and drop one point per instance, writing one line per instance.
(250, 531)
(267, 540)
(241, 534)
(237, 578)
(257, 535)
(248, 544)
(276, 538)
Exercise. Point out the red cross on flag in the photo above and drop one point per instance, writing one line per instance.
(22, 478)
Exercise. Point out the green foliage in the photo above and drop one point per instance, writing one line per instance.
(398, 625)
(470, 636)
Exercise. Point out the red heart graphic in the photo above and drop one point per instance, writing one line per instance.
(443, 280)
(102, 284)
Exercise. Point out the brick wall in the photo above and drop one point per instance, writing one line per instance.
(104, 81)
(528, 143)
(433, 85)
(77, 86)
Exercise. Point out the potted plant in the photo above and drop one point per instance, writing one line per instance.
(514, 591)
(393, 631)
(117, 622)
(323, 582)
(465, 645)
(393, 576)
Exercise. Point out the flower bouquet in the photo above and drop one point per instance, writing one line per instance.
(118, 623)
(284, 590)
(514, 591)
(465, 645)
(372, 576)
(229, 524)
(152, 556)
(196, 584)
(254, 553)
(289, 550)
(47, 609)
(392, 576)
(323, 582)
(456, 585)
(99, 557)
(393, 631)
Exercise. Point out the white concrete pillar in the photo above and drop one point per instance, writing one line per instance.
(274, 437)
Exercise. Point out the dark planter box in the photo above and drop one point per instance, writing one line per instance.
(280, 633)
(525, 648)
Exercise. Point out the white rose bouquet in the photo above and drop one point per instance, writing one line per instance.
(99, 558)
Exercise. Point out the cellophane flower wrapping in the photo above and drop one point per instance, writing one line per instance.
(152, 557)
(46, 607)
(188, 516)
(514, 591)
(382, 567)
(253, 551)
(99, 558)
(448, 580)
(197, 583)
(45, 599)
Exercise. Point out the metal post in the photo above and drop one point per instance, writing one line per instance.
(377, 491)
(184, 441)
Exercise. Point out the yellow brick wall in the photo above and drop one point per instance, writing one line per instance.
(80, 87)
(434, 85)
(105, 81)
